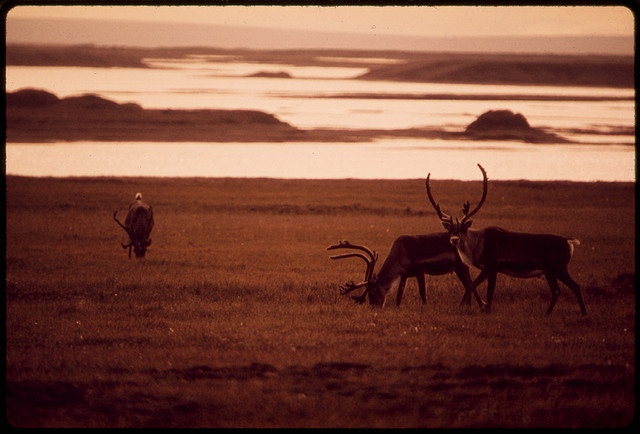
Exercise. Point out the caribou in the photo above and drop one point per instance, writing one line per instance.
(494, 250)
(410, 256)
(137, 225)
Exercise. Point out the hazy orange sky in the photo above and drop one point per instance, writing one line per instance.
(536, 29)
(391, 20)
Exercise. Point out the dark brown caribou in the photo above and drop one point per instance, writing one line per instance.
(495, 250)
(410, 256)
(137, 225)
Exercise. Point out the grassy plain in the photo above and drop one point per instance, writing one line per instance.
(234, 317)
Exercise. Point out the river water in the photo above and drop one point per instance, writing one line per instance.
(309, 100)
(401, 159)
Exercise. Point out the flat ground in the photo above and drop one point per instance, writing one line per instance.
(234, 318)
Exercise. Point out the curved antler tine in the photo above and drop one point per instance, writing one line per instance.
(465, 208)
(352, 255)
(371, 264)
(121, 225)
(351, 286)
(365, 249)
(368, 276)
(347, 245)
(342, 244)
(436, 206)
(116, 218)
(335, 246)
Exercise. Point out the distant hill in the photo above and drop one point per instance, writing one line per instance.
(613, 71)
(73, 55)
(561, 71)
(35, 115)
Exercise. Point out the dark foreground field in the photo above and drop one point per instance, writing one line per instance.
(234, 318)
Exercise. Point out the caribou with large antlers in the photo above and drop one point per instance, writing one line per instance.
(494, 250)
(410, 256)
(137, 225)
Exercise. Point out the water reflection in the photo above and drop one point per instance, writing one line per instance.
(200, 83)
(385, 159)
(296, 100)
(240, 69)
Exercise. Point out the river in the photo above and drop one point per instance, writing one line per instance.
(310, 99)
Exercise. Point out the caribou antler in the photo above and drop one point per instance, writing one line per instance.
(465, 207)
(347, 245)
(121, 225)
(351, 286)
(127, 230)
(444, 217)
(370, 260)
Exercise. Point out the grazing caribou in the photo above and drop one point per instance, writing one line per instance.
(494, 250)
(137, 225)
(410, 256)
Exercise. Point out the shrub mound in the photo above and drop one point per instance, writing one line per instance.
(269, 74)
(507, 125)
(499, 120)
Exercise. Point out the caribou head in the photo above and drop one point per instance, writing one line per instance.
(137, 225)
(457, 229)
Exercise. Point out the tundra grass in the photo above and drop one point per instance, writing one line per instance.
(234, 318)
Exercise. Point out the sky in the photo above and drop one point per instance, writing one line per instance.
(187, 25)
(391, 20)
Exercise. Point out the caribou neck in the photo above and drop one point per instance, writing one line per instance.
(471, 248)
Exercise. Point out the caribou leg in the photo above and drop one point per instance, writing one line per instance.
(555, 291)
(491, 287)
(470, 288)
(403, 282)
(422, 287)
(573, 286)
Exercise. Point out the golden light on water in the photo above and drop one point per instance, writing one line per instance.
(303, 99)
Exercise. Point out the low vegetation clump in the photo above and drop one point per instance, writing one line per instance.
(234, 318)
(499, 120)
(507, 125)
